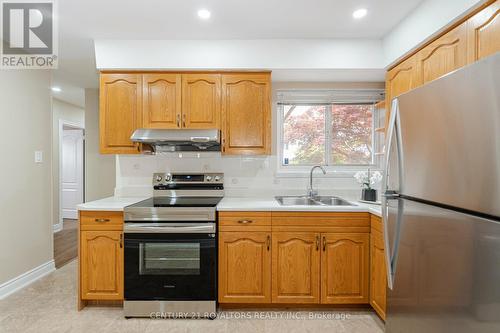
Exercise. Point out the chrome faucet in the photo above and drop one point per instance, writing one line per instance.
(311, 193)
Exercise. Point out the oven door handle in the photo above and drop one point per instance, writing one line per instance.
(181, 228)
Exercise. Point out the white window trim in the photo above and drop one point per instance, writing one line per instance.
(327, 97)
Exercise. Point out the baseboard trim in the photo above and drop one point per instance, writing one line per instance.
(26, 278)
(57, 227)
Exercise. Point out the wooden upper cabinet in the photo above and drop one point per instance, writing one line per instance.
(101, 269)
(201, 100)
(246, 114)
(120, 112)
(484, 33)
(443, 56)
(161, 100)
(401, 79)
(296, 267)
(345, 268)
(245, 267)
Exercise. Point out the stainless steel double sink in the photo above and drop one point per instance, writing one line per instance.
(312, 201)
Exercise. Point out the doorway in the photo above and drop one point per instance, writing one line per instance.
(71, 171)
(71, 190)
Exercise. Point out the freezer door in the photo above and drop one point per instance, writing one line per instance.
(450, 130)
(446, 272)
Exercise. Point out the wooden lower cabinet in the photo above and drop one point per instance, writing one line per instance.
(101, 270)
(378, 283)
(296, 267)
(294, 258)
(345, 268)
(100, 251)
(245, 267)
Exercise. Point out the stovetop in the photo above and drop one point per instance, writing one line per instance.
(157, 202)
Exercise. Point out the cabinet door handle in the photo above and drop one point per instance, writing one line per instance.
(317, 243)
(245, 221)
(121, 241)
(223, 145)
(178, 120)
(268, 241)
(324, 243)
(102, 220)
(184, 120)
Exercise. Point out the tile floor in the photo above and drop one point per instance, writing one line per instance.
(49, 305)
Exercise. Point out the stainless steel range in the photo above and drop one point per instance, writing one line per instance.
(171, 248)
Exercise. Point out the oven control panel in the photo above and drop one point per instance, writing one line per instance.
(187, 178)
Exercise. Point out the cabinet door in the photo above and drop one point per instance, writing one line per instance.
(378, 286)
(101, 270)
(484, 33)
(244, 267)
(120, 112)
(296, 267)
(246, 114)
(201, 100)
(162, 100)
(345, 268)
(401, 79)
(443, 56)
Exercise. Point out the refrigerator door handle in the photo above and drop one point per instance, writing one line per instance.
(392, 194)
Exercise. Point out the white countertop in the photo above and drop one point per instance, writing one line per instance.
(236, 204)
(270, 204)
(110, 203)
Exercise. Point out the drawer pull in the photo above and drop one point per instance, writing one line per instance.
(102, 220)
(245, 221)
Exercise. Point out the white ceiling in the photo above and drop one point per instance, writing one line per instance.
(80, 22)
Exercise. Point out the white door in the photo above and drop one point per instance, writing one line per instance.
(72, 172)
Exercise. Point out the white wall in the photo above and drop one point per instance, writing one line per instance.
(239, 54)
(61, 111)
(25, 195)
(244, 176)
(99, 169)
(428, 19)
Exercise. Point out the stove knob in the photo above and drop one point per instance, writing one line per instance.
(168, 178)
(158, 178)
(208, 178)
(217, 178)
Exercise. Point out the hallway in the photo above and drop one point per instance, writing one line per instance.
(66, 243)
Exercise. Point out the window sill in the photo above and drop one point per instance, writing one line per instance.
(330, 173)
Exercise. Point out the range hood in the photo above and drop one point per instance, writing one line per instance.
(182, 140)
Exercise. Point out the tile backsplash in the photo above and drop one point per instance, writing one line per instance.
(244, 176)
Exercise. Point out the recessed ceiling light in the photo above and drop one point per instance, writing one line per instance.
(360, 13)
(56, 89)
(204, 14)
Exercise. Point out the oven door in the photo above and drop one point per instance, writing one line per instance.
(170, 266)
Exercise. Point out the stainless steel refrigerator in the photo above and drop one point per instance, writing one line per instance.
(441, 204)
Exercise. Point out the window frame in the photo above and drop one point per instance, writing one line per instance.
(341, 171)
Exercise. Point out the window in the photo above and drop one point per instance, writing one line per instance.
(336, 128)
(327, 134)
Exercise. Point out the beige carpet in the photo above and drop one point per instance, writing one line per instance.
(49, 305)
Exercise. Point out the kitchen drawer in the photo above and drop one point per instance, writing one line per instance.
(101, 220)
(240, 221)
